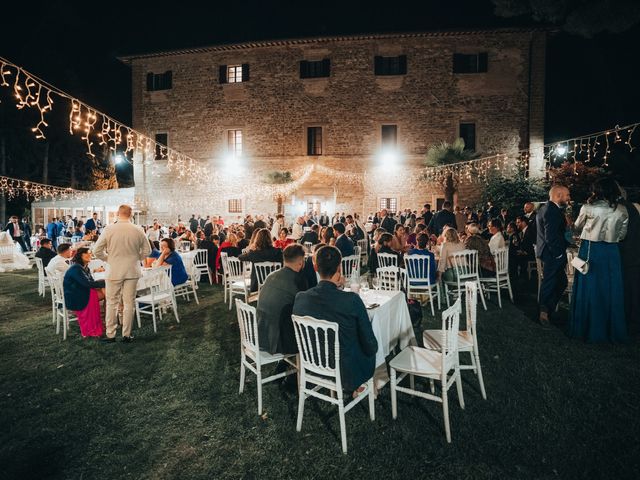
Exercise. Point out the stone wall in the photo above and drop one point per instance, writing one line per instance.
(274, 108)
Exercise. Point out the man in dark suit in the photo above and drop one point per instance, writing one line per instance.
(386, 222)
(324, 220)
(427, 214)
(343, 243)
(443, 218)
(358, 345)
(530, 215)
(16, 231)
(26, 233)
(551, 248)
(45, 252)
(311, 235)
(275, 303)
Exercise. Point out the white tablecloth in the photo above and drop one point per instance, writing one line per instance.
(391, 324)
(142, 284)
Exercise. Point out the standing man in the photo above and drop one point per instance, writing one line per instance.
(386, 222)
(26, 233)
(551, 248)
(16, 230)
(123, 246)
(444, 218)
(324, 220)
(193, 223)
(91, 225)
(52, 231)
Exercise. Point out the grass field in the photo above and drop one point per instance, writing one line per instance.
(167, 406)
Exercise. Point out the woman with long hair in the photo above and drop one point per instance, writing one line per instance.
(262, 251)
(597, 307)
(282, 242)
(169, 256)
(82, 294)
(450, 244)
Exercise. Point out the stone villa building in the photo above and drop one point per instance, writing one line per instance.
(363, 109)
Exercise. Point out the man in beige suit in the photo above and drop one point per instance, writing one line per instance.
(123, 246)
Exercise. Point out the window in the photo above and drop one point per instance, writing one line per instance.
(389, 135)
(234, 73)
(161, 146)
(389, 204)
(235, 205)
(234, 142)
(473, 63)
(159, 81)
(314, 141)
(468, 134)
(390, 65)
(315, 69)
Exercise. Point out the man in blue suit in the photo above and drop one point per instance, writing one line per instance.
(358, 345)
(551, 248)
(52, 232)
(343, 243)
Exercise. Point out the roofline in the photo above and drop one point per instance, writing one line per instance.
(225, 47)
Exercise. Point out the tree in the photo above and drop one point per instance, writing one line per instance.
(444, 153)
(577, 177)
(512, 192)
(585, 18)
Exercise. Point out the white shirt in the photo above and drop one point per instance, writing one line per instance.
(58, 265)
(153, 235)
(496, 242)
(275, 230)
(296, 231)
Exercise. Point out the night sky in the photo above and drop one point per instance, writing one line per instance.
(590, 82)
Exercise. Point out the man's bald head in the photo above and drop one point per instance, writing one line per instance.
(124, 211)
(559, 194)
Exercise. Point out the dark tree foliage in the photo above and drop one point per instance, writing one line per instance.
(512, 192)
(577, 177)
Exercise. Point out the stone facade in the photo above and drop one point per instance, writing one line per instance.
(275, 106)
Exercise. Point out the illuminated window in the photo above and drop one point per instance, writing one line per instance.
(234, 142)
(389, 135)
(234, 73)
(159, 81)
(314, 141)
(161, 146)
(389, 204)
(470, 63)
(235, 205)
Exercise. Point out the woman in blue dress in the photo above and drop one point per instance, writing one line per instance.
(597, 306)
(169, 256)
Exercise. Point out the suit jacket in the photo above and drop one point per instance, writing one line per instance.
(528, 242)
(358, 345)
(389, 224)
(46, 254)
(551, 226)
(123, 246)
(345, 245)
(275, 304)
(90, 225)
(324, 220)
(10, 228)
(310, 237)
(442, 219)
(52, 231)
(256, 256)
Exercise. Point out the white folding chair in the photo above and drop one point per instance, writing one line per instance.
(501, 280)
(61, 313)
(160, 296)
(238, 284)
(263, 270)
(351, 266)
(431, 364)
(201, 263)
(418, 278)
(251, 357)
(387, 260)
(319, 366)
(570, 273)
(465, 266)
(357, 251)
(467, 339)
(191, 285)
(43, 281)
(225, 274)
(387, 278)
(363, 250)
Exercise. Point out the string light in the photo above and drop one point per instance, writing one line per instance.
(13, 187)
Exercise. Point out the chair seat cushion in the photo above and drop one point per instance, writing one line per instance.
(418, 361)
(157, 297)
(432, 339)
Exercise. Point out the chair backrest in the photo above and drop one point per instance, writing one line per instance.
(388, 278)
(319, 347)
(501, 257)
(247, 321)
(233, 268)
(223, 261)
(158, 280)
(264, 269)
(363, 246)
(450, 328)
(471, 306)
(40, 266)
(418, 268)
(357, 251)
(185, 245)
(351, 266)
(571, 254)
(200, 258)
(57, 290)
(465, 263)
(387, 260)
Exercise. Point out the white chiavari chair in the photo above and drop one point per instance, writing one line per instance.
(161, 295)
(501, 280)
(465, 266)
(418, 281)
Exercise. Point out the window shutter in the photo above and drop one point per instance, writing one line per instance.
(168, 79)
(304, 69)
(377, 65)
(483, 62)
(245, 72)
(326, 67)
(223, 74)
(149, 82)
(402, 64)
(458, 63)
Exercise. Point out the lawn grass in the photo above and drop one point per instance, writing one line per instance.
(167, 406)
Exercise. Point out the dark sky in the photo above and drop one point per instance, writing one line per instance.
(590, 83)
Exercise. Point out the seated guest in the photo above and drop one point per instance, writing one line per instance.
(513, 244)
(327, 237)
(399, 243)
(153, 256)
(77, 233)
(311, 236)
(497, 238)
(451, 244)
(262, 250)
(230, 247)
(82, 294)
(211, 245)
(421, 249)
(242, 240)
(282, 242)
(45, 252)
(475, 242)
(343, 243)
(413, 236)
(358, 345)
(372, 264)
(275, 304)
(60, 263)
(385, 245)
(169, 256)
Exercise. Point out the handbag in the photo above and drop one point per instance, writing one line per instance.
(581, 265)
